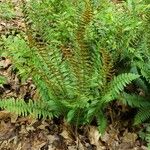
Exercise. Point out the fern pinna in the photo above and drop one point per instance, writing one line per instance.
(75, 76)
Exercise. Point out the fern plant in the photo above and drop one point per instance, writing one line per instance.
(141, 60)
(71, 66)
(126, 35)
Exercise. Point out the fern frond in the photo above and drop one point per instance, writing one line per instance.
(84, 52)
(36, 108)
(50, 59)
(133, 100)
(148, 138)
(29, 30)
(144, 69)
(73, 116)
(52, 71)
(142, 115)
(107, 67)
(117, 85)
(102, 122)
(69, 55)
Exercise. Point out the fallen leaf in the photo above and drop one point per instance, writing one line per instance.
(79, 144)
(5, 63)
(94, 137)
(129, 137)
(4, 114)
(6, 130)
(13, 117)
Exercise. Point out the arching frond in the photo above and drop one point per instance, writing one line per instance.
(134, 100)
(117, 85)
(36, 108)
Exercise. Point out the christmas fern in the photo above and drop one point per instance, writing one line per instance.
(74, 73)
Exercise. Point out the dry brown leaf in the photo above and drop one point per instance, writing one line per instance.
(23, 130)
(43, 125)
(1, 28)
(30, 128)
(50, 147)
(37, 144)
(66, 134)
(19, 147)
(26, 144)
(51, 138)
(129, 137)
(79, 145)
(72, 147)
(4, 114)
(5, 63)
(94, 137)
(6, 130)
(111, 138)
(13, 117)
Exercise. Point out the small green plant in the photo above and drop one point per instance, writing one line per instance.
(71, 50)
(6, 10)
(2, 80)
(144, 134)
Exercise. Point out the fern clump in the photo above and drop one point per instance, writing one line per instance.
(71, 58)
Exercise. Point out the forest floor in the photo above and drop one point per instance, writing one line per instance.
(27, 133)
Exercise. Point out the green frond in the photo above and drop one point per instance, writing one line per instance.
(140, 82)
(37, 109)
(107, 67)
(118, 84)
(73, 116)
(84, 52)
(102, 122)
(142, 115)
(144, 69)
(148, 139)
(133, 100)
(18, 51)
(28, 24)
(50, 59)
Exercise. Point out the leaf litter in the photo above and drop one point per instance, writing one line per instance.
(24, 133)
